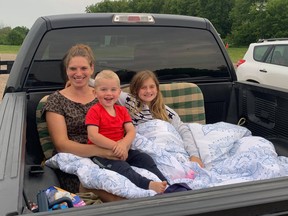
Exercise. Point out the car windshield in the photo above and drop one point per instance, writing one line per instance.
(173, 53)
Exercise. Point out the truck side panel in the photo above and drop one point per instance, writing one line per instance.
(12, 151)
(264, 110)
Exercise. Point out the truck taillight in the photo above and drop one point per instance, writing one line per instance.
(133, 18)
(241, 61)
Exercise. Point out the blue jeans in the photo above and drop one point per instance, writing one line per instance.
(135, 158)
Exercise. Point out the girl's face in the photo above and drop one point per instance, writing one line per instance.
(148, 91)
(79, 71)
(107, 92)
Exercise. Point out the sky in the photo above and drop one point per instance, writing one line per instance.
(15, 13)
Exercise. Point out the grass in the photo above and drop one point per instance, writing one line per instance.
(8, 49)
(236, 53)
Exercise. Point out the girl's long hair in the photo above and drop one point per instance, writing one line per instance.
(157, 106)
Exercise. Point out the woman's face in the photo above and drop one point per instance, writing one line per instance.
(148, 91)
(79, 71)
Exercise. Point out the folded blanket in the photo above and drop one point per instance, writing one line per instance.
(230, 154)
(93, 177)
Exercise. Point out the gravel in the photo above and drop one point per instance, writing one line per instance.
(4, 77)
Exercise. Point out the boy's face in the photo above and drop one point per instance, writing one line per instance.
(107, 91)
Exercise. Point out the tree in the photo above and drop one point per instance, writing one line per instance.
(109, 6)
(147, 6)
(17, 35)
(218, 13)
(4, 35)
(276, 19)
(182, 7)
(14, 36)
(239, 22)
(253, 20)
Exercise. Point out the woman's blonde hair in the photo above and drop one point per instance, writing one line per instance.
(157, 106)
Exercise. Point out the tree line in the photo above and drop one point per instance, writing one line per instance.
(15, 36)
(239, 22)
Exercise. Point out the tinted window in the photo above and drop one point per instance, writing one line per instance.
(173, 53)
(279, 56)
(260, 53)
(272, 54)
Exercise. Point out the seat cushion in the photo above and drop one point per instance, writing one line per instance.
(186, 99)
(45, 140)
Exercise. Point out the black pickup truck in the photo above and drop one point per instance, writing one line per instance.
(178, 49)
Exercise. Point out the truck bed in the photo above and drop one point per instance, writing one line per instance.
(37, 72)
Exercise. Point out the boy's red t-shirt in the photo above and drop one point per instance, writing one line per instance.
(109, 126)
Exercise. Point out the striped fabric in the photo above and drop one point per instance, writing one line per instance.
(185, 98)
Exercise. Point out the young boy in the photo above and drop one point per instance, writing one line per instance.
(110, 126)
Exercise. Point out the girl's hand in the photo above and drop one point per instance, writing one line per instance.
(197, 160)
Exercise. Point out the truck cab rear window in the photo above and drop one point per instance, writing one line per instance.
(173, 53)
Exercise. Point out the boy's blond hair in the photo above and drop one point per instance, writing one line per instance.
(106, 74)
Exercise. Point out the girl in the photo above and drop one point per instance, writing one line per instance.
(146, 103)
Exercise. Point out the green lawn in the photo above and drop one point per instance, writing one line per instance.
(236, 53)
(9, 49)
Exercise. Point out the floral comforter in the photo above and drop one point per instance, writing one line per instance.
(230, 154)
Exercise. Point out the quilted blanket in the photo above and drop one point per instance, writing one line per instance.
(230, 154)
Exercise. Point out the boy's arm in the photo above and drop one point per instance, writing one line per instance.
(129, 136)
(98, 139)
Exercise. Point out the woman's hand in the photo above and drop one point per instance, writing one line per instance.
(197, 160)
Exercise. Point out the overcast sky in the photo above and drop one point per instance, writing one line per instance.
(25, 12)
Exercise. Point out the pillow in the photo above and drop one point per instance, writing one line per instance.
(217, 141)
(45, 140)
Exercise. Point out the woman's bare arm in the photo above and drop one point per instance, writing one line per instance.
(58, 132)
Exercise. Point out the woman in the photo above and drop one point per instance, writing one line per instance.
(65, 112)
(66, 109)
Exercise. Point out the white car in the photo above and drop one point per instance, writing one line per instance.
(265, 62)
